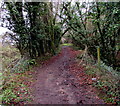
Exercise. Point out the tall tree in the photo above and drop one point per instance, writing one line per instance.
(34, 26)
(94, 24)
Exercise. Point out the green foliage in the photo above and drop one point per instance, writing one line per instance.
(97, 25)
(67, 44)
(37, 34)
(8, 96)
(57, 35)
(32, 62)
(10, 56)
(13, 91)
(107, 79)
(21, 66)
(12, 88)
(107, 82)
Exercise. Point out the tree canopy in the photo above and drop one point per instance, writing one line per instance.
(95, 24)
(38, 31)
(34, 27)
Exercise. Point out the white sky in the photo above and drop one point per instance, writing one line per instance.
(3, 30)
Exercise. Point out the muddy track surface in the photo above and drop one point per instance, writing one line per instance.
(57, 84)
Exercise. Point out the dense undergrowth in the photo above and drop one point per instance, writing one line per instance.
(16, 76)
(105, 78)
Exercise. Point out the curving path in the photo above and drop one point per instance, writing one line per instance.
(56, 84)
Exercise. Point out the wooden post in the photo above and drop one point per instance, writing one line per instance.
(98, 55)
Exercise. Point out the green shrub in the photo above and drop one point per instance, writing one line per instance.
(13, 88)
(107, 81)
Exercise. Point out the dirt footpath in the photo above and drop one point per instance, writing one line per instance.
(57, 84)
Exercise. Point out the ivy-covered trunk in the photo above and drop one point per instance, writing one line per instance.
(34, 26)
